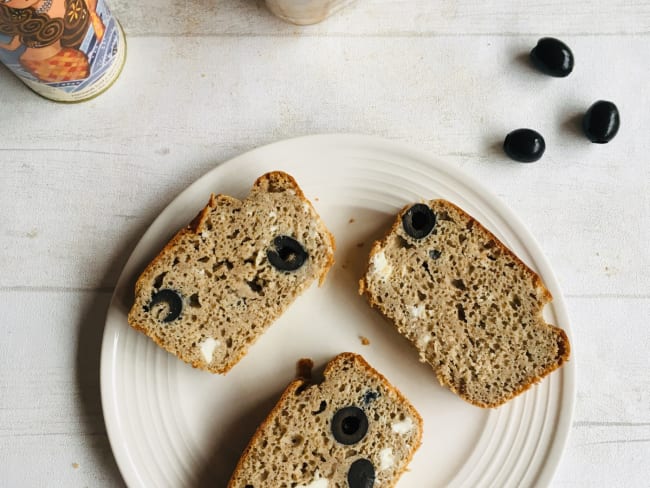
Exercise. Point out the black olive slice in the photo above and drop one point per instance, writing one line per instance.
(349, 425)
(173, 301)
(286, 254)
(419, 221)
(369, 396)
(361, 474)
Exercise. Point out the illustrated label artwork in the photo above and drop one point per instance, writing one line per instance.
(65, 50)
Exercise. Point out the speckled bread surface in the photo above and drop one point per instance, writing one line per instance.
(469, 305)
(226, 277)
(353, 430)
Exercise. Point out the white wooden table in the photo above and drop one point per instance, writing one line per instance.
(208, 79)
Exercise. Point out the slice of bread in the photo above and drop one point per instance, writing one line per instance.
(352, 430)
(222, 280)
(472, 309)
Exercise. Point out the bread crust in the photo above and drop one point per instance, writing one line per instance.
(564, 347)
(300, 384)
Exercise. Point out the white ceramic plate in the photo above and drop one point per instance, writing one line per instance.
(171, 425)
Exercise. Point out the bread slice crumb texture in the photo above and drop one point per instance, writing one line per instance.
(471, 307)
(225, 278)
(343, 432)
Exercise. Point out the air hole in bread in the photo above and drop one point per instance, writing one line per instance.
(461, 312)
(515, 302)
(458, 283)
(194, 301)
(403, 243)
(159, 280)
(275, 186)
(321, 408)
(255, 286)
(425, 265)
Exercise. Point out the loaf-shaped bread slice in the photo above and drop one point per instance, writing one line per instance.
(352, 430)
(471, 308)
(222, 280)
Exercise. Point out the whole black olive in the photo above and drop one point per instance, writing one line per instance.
(173, 301)
(419, 221)
(524, 145)
(552, 57)
(286, 254)
(601, 122)
(361, 474)
(349, 425)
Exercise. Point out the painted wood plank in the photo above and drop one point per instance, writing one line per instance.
(56, 460)
(52, 431)
(388, 18)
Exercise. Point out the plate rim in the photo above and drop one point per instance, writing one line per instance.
(562, 426)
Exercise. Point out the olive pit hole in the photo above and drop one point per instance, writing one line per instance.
(286, 254)
(173, 305)
(349, 425)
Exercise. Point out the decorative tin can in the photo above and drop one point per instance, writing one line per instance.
(64, 50)
(304, 12)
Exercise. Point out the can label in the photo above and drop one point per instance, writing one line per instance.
(65, 50)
